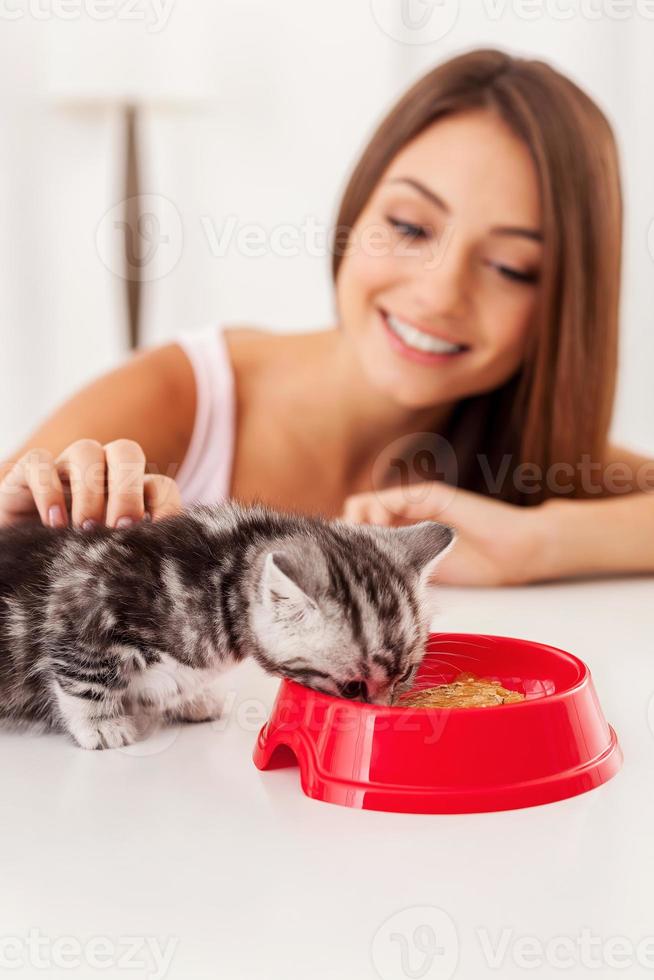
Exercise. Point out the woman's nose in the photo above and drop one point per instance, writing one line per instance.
(442, 285)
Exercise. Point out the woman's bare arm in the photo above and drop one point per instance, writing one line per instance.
(150, 398)
(505, 544)
(611, 535)
(111, 451)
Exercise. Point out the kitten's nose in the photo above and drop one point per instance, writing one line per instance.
(355, 691)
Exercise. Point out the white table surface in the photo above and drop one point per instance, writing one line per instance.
(181, 845)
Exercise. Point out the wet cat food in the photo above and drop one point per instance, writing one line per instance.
(465, 691)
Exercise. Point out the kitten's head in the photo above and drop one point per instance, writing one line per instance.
(347, 611)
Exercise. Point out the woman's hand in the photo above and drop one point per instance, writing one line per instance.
(87, 482)
(497, 544)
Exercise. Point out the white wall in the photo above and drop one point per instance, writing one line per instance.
(252, 114)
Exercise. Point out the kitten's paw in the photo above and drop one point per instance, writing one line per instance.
(106, 733)
(205, 706)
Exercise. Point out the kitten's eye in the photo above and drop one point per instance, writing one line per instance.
(355, 691)
(406, 675)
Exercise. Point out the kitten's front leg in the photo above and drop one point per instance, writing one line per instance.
(201, 698)
(94, 724)
(88, 694)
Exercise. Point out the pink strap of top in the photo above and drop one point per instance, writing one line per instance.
(205, 473)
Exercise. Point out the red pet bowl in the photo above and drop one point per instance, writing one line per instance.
(554, 744)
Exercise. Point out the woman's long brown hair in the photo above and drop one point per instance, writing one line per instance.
(556, 410)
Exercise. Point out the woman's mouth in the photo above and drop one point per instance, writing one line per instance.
(417, 345)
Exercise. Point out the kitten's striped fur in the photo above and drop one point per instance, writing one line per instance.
(101, 628)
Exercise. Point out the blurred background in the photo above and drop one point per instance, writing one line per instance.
(166, 163)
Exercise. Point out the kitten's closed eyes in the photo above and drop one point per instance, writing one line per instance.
(100, 630)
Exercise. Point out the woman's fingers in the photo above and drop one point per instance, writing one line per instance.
(82, 466)
(387, 507)
(363, 508)
(125, 479)
(116, 481)
(497, 543)
(162, 496)
(33, 483)
(433, 501)
(92, 482)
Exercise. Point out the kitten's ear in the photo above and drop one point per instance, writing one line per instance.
(426, 543)
(280, 590)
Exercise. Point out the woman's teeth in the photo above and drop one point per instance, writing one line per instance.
(419, 340)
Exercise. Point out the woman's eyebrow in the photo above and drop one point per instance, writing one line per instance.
(430, 195)
(531, 233)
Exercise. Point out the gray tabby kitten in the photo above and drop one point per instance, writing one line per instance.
(102, 629)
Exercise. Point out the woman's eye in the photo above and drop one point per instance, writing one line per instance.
(407, 229)
(515, 275)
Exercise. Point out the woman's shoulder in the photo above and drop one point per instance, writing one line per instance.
(246, 339)
(251, 353)
(255, 351)
(201, 347)
(206, 362)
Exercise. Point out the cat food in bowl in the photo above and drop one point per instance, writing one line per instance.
(465, 691)
(546, 740)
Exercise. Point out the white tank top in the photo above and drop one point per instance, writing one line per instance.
(205, 472)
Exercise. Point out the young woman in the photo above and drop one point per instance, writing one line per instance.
(469, 375)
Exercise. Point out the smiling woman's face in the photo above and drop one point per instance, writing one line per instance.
(446, 252)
